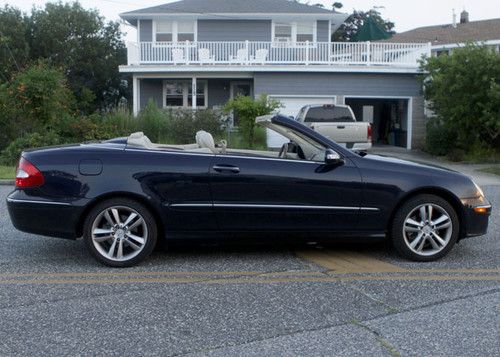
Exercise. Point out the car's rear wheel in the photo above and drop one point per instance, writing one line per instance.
(120, 232)
(425, 228)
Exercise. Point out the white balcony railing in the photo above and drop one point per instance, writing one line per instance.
(277, 53)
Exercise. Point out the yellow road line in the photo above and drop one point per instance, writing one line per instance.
(223, 281)
(349, 262)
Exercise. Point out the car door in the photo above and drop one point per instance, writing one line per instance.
(181, 182)
(261, 194)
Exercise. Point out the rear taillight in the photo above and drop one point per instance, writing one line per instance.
(28, 175)
(369, 133)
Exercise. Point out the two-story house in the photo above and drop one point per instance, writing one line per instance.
(201, 53)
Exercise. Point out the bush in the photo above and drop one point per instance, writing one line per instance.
(463, 89)
(248, 109)
(481, 153)
(10, 155)
(182, 125)
(441, 139)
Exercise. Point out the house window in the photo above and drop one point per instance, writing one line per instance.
(185, 31)
(305, 32)
(175, 31)
(179, 94)
(164, 31)
(283, 32)
(294, 31)
(442, 53)
(174, 94)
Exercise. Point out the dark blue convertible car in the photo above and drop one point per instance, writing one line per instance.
(124, 195)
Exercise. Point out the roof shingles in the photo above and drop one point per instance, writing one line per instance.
(232, 7)
(475, 31)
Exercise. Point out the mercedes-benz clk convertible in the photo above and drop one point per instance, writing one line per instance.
(125, 195)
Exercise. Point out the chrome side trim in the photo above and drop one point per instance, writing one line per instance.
(237, 205)
(38, 202)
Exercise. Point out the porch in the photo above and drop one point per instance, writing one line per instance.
(247, 53)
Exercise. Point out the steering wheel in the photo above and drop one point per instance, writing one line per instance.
(283, 151)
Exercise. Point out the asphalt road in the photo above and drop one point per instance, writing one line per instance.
(249, 301)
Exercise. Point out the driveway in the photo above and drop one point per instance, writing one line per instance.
(267, 300)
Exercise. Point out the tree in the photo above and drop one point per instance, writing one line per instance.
(348, 30)
(463, 90)
(14, 48)
(86, 47)
(35, 99)
(248, 109)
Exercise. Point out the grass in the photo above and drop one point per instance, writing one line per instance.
(492, 170)
(7, 172)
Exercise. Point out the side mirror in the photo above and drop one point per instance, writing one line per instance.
(332, 158)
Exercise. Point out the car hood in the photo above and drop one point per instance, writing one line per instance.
(409, 164)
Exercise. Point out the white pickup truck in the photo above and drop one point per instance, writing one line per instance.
(338, 123)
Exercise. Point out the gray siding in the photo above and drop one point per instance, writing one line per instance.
(151, 89)
(322, 31)
(234, 30)
(146, 30)
(337, 84)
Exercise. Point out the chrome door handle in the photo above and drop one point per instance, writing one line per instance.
(224, 168)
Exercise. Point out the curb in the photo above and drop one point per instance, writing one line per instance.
(6, 182)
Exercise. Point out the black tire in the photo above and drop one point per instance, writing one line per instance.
(402, 239)
(96, 219)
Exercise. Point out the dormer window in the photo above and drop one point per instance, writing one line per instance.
(175, 31)
(294, 31)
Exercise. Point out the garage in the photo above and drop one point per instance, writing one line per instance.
(291, 107)
(390, 118)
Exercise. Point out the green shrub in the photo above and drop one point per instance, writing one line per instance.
(152, 121)
(463, 89)
(10, 155)
(182, 125)
(480, 152)
(441, 139)
(248, 109)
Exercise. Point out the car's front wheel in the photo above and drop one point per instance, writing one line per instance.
(120, 232)
(425, 228)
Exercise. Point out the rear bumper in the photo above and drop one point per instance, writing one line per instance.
(48, 218)
(476, 224)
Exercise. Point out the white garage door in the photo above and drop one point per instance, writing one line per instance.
(291, 107)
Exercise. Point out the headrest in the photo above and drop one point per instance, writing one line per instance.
(139, 139)
(205, 140)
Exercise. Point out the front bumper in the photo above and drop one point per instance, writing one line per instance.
(48, 218)
(476, 223)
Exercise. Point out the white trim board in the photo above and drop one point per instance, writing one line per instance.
(187, 76)
(409, 132)
(263, 68)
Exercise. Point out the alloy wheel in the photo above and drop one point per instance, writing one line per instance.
(119, 233)
(427, 229)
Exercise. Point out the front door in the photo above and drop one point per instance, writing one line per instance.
(260, 194)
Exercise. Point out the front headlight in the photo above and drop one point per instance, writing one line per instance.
(479, 189)
(478, 203)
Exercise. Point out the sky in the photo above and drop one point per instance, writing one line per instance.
(407, 14)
